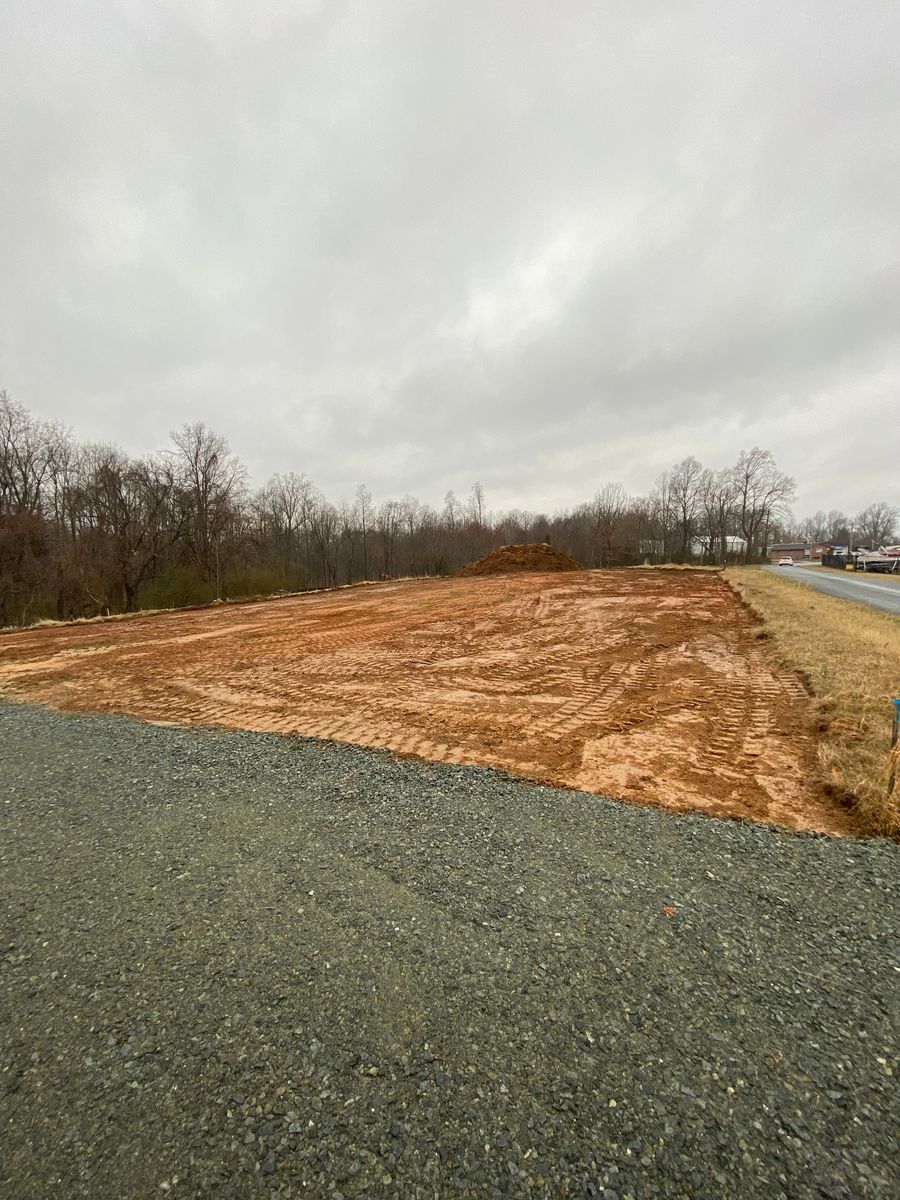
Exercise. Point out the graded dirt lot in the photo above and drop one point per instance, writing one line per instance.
(645, 685)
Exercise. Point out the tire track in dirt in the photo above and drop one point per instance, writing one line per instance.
(647, 685)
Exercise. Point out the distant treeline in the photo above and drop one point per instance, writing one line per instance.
(85, 529)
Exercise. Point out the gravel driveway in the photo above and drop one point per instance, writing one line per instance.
(240, 965)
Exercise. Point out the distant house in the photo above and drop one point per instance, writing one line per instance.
(702, 548)
(795, 550)
(798, 551)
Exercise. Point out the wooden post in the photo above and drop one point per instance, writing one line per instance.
(895, 733)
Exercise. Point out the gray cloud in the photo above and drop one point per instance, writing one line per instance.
(542, 245)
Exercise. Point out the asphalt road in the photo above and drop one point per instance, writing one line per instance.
(238, 966)
(877, 591)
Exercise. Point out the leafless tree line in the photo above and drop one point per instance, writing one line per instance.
(86, 529)
(876, 526)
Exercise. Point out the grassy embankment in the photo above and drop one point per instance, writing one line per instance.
(850, 657)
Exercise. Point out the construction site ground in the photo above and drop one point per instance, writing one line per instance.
(646, 685)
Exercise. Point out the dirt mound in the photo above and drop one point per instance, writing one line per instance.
(533, 556)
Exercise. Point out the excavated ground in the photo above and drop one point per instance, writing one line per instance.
(645, 685)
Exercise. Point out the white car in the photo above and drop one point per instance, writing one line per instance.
(785, 561)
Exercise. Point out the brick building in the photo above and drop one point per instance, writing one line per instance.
(798, 551)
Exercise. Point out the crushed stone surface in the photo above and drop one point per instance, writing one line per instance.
(240, 965)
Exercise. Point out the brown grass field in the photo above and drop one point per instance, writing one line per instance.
(850, 656)
(651, 686)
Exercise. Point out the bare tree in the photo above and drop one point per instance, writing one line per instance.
(134, 518)
(364, 513)
(324, 527)
(476, 503)
(434, 541)
(451, 511)
(684, 490)
(876, 525)
(815, 528)
(717, 496)
(662, 512)
(838, 527)
(410, 511)
(347, 537)
(212, 483)
(27, 450)
(608, 509)
(763, 494)
(389, 521)
(283, 504)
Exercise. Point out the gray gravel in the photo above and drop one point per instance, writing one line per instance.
(239, 965)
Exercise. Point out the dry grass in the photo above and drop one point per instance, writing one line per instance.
(850, 657)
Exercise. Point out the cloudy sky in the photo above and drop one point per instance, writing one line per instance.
(418, 243)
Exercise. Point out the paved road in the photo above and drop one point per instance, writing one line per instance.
(877, 591)
(238, 966)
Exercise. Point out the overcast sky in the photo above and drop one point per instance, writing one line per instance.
(543, 245)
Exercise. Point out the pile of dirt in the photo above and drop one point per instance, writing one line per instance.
(532, 556)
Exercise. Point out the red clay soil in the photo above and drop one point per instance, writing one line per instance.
(530, 556)
(642, 684)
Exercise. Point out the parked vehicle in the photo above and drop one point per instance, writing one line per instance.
(886, 561)
(785, 561)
